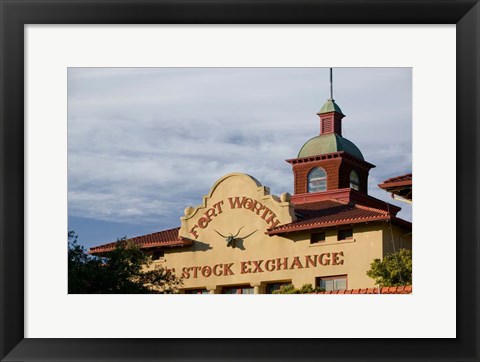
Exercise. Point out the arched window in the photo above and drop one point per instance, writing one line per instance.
(354, 180)
(317, 180)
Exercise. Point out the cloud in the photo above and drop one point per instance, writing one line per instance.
(145, 143)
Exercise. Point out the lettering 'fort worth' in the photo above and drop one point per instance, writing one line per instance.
(236, 203)
(261, 266)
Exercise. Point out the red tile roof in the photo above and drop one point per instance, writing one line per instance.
(167, 238)
(333, 213)
(311, 215)
(407, 289)
(406, 177)
(403, 180)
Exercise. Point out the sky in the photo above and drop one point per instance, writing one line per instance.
(144, 143)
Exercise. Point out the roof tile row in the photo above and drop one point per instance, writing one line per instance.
(407, 289)
(162, 238)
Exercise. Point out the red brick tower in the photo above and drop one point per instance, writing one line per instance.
(329, 162)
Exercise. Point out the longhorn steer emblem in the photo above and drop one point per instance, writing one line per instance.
(232, 238)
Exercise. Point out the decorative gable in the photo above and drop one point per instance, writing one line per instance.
(237, 207)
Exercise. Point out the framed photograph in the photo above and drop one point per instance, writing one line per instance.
(93, 77)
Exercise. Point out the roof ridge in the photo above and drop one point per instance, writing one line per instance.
(370, 208)
(154, 233)
(314, 223)
(338, 201)
(395, 178)
(303, 204)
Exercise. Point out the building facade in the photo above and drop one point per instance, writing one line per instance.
(243, 240)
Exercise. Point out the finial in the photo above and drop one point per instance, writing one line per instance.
(331, 83)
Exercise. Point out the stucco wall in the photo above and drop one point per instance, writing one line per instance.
(238, 205)
(395, 237)
(353, 258)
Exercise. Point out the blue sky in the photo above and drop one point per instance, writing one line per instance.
(144, 143)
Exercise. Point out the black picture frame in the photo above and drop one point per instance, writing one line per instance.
(15, 14)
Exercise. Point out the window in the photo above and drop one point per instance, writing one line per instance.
(345, 234)
(196, 291)
(271, 287)
(238, 290)
(158, 254)
(317, 180)
(317, 238)
(354, 180)
(338, 282)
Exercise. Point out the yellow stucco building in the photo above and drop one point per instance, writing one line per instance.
(241, 239)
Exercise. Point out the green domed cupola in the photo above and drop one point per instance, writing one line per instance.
(329, 143)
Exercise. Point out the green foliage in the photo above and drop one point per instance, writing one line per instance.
(394, 270)
(125, 270)
(285, 289)
(290, 289)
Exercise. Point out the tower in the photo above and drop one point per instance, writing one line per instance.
(329, 163)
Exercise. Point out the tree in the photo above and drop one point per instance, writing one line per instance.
(394, 270)
(290, 289)
(125, 270)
